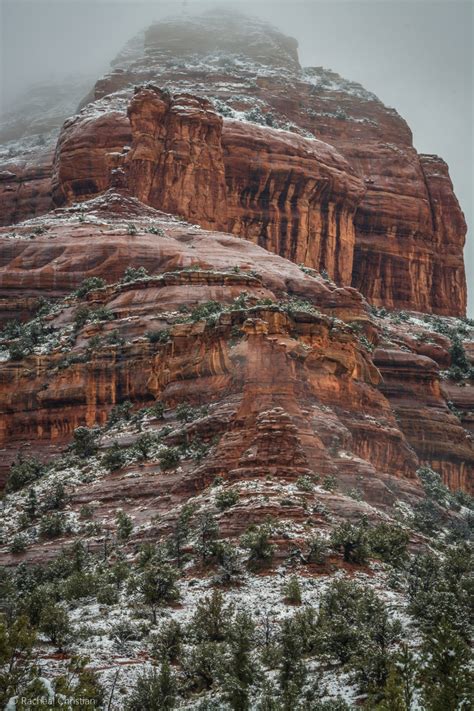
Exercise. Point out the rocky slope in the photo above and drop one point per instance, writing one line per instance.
(193, 389)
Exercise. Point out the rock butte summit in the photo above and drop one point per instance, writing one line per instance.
(225, 128)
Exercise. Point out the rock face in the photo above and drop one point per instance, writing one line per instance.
(291, 195)
(25, 186)
(335, 414)
(176, 163)
(372, 212)
(401, 231)
(281, 167)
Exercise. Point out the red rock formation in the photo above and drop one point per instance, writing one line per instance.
(175, 163)
(294, 196)
(25, 187)
(300, 361)
(293, 390)
(404, 236)
(407, 254)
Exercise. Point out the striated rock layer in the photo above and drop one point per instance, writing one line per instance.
(358, 202)
(334, 415)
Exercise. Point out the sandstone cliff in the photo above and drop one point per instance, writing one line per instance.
(373, 213)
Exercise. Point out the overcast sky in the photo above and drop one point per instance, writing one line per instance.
(416, 55)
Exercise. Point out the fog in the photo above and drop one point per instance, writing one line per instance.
(416, 56)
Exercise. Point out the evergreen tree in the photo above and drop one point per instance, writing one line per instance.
(153, 691)
(207, 535)
(445, 675)
(85, 442)
(241, 672)
(292, 671)
(16, 645)
(114, 458)
(157, 585)
(181, 533)
(352, 541)
(31, 505)
(124, 526)
(210, 622)
(168, 642)
(54, 623)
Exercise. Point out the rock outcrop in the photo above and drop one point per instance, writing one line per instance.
(391, 225)
(310, 170)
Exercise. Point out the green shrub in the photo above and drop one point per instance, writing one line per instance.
(23, 472)
(257, 541)
(134, 274)
(107, 595)
(153, 690)
(51, 526)
(228, 560)
(79, 585)
(157, 586)
(354, 622)
(292, 591)
(120, 413)
(352, 541)
(305, 483)
(318, 550)
(56, 498)
(114, 458)
(162, 336)
(226, 499)
(210, 622)
(155, 231)
(389, 543)
(207, 534)
(90, 284)
(209, 311)
(187, 413)
(144, 444)
(31, 504)
(85, 442)
(18, 544)
(169, 458)
(329, 483)
(168, 642)
(124, 526)
(54, 623)
(157, 410)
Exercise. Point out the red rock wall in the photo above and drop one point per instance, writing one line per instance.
(175, 163)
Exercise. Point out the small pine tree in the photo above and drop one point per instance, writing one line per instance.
(446, 678)
(124, 526)
(114, 458)
(85, 442)
(292, 591)
(153, 691)
(31, 505)
(54, 623)
(207, 535)
(257, 542)
(210, 622)
(292, 672)
(240, 673)
(158, 586)
(352, 541)
(169, 641)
